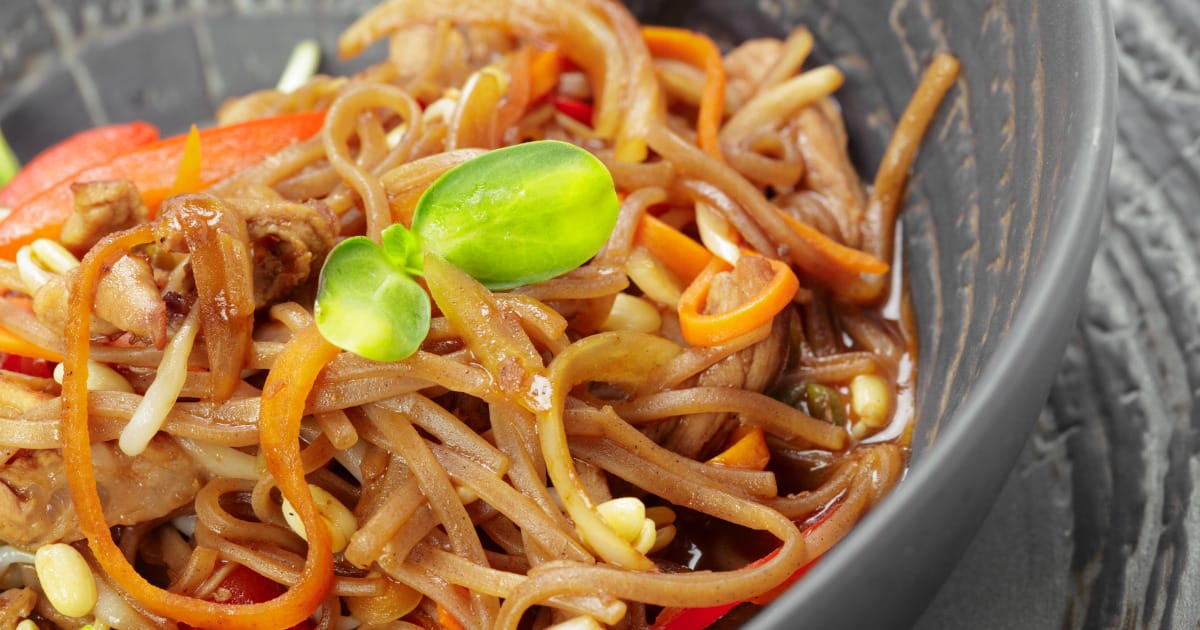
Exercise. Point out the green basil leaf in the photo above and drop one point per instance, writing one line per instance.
(520, 214)
(370, 305)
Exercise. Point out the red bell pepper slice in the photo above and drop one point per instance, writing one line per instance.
(82, 150)
(691, 618)
(700, 618)
(26, 365)
(153, 169)
(575, 108)
(243, 586)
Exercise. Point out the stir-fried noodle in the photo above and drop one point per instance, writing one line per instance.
(684, 421)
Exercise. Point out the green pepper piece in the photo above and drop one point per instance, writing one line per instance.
(824, 403)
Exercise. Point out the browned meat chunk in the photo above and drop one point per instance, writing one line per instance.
(747, 65)
(102, 208)
(757, 366)
(244, 254)
(15, 605)
(289, 241)
(127, 299)
(214, 235)
(20, 393)
(50, 307)
(35, 504)
(829, 170)
(753, 368)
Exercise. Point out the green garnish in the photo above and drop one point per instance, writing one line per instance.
(819, 401)
(510, 217)
(519, 215)
(369, 304)
(825, 403)
(9, 164)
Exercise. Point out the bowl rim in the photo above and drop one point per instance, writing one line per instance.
(1069, 252)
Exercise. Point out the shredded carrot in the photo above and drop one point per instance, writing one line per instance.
(709, 330)
(682, 255)
(545, 68)
(283, 400)
(699, 50)
(447, 620)
(187, 178)
(850, 260)
(12, 344)
(748, 450)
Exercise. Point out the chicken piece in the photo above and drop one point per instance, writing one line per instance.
(35, 503)
(50, 307)
(830, 173)
(288, 241)
(102, 208)
(127, 299)
(747, 65)
(753, 368)
(16, 604)
(20, 393)
(244, 254)
(214, 235)
(429, 58)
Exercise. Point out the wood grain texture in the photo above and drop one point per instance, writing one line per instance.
(1098, 525)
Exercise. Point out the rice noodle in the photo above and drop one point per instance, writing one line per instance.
(474, 477)
(342, 117)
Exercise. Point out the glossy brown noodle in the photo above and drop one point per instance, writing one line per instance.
(445, 459)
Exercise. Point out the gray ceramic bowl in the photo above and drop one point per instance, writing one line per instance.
(1001, 222)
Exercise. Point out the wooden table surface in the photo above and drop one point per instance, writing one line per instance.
(1099, 524)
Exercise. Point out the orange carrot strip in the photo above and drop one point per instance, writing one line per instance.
(849, 259)
(699, 50)
(447, 620)
(709, 330)
(545, 68)
(284, 395)
(682, 255)
(187, 178)
(12, 344)
(749, 450)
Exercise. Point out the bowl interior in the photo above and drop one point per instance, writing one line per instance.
(1000, 221)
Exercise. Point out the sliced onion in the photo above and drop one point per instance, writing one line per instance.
(717, 234)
